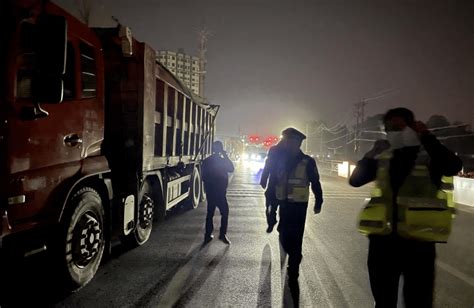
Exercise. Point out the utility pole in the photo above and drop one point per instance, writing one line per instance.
(321, 142)
(203, 38)
(84, 7)
(307, 138)
(359, 115)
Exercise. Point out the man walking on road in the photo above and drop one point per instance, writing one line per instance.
(276, 155)
(410, 209)
(215, 175)
(293, 177)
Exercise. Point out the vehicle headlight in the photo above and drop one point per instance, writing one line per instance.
(254, 156)
(245, 156)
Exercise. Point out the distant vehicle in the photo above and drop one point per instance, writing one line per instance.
(97, 139)
(254, 153)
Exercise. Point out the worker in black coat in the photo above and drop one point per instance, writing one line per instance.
(215, 175)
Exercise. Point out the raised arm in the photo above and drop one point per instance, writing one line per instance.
(366, 169)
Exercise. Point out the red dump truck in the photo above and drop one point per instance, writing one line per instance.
(97, 139)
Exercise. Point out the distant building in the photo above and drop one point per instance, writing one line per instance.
(183, 66)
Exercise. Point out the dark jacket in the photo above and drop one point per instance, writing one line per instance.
(275, 156)
(215, 171)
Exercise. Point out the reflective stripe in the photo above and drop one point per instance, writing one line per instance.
(447, 186)
(422, 203)
(296, 181)
(419, 173)
(371, 223)
(427, 228)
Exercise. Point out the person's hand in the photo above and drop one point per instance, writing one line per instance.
(379, 146)
(263, 184)
(420, 128)
(318, 205)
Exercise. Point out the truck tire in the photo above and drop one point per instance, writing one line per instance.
(142, 231)
(196, 188)
(82, 244)
(203, 192)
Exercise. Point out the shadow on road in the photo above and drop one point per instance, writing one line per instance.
(29, 282)
(185, 279)
(33, 282)
(291, 294)
(265, 281)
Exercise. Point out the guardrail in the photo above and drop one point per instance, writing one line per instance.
(328, 167)
(336, 168)
(463, 187)
(464, 190)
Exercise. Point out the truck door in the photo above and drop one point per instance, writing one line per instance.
(51, 140)
(44, 151)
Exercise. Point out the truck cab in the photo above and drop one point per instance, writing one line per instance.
(97, 139)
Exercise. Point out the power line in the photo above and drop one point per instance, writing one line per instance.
(340, 137)
(457, 136)
(360, 113)
(447, 127)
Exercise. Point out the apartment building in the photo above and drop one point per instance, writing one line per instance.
(183, 66)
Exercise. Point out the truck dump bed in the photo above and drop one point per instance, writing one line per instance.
(152, 120)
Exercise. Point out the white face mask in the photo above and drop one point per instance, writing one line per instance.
(405, 138)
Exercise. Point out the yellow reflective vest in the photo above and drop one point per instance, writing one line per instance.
(294, 187)
(424, 211)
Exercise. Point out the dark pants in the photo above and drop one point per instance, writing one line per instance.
(291, 228)
(392, 256)
(216, 198)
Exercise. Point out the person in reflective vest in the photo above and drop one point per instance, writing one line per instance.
(293, 178)
(410, 210)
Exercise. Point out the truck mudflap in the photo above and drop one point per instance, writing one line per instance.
(4, 226)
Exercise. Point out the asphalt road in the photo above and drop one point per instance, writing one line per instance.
(174, 270)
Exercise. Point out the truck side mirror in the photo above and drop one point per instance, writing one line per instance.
(48, 89)
(48, 86)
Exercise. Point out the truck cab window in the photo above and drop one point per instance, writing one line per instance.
(88, 70)
(69, 80)
(27, 64)
(26, 60)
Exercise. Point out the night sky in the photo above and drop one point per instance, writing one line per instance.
(274, 63)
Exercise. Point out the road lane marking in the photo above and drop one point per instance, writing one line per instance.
(319, 280)
(456, 273)
(258, 193)
(338, 270)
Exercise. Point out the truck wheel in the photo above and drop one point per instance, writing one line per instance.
(82, 245)
(142, 231)
(196, 188)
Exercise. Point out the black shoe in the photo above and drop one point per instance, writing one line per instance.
(225, 239)
(208, 238)
(270, 228)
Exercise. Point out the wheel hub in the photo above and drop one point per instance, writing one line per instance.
(146, 211)
(88, 239)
